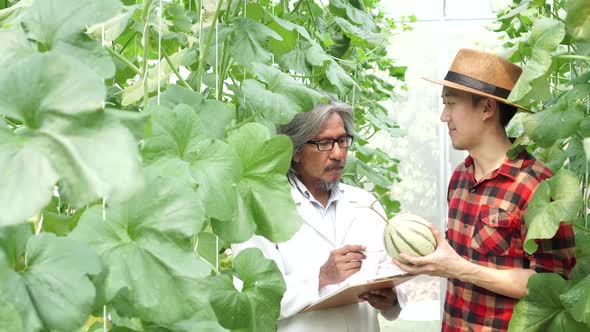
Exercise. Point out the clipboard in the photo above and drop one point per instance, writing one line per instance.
(351, 293)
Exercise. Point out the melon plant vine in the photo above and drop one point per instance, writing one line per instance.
(551, 39)
(138, 140)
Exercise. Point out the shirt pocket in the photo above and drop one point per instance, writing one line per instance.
(493, 231)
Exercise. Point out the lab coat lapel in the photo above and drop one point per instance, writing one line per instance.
(308, 213)
(345, 216)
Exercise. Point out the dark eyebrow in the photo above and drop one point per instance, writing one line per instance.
(448, 94)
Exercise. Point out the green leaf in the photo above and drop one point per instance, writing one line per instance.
(13, 240)
(114, 26)
(357, 16)
(563, 124)
(174, 133)
(358, 36)
(553, 157)
(216, 169)
(53, 291)
(577, 300)
(24, 166)
(541, 309)
(265, 161)
(42, 83)
(51, 20)
(257, 306)
(582, 240)
(339, 78)
(555, 200)
(89, 52)
(216, 115)
(275, 107)
(578, 19)
(153, 273)
(545, 36)
(11, 320)
(94, 156)
(249, 40)
(279, 82)
(14, 45)
(175, 95)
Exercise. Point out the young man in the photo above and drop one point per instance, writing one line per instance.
(340, 239)
(488, 195)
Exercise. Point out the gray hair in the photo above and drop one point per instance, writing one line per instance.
(305, 126)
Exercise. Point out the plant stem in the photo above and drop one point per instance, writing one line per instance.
(574, 57)
(207, 45)
(146, 49)
(124, 60)
(172, 67)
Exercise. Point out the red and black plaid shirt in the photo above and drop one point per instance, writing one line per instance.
(486, 226)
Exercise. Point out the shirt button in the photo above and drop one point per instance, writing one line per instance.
(472, 190)
(465, 226)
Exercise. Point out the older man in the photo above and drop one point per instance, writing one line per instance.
(341, 237)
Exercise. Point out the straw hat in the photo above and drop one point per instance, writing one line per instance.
(482, 74)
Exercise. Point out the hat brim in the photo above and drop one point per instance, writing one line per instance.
(474, 91)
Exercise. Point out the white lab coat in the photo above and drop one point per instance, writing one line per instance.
(301, 257)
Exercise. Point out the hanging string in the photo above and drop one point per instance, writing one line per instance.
(39, 225)
(159, 50)
(104, 308)
(200, 32)
(104, 215)
(217, 87)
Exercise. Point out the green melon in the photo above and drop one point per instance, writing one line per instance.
(408, 233)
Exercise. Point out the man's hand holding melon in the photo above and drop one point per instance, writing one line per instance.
(417, 247)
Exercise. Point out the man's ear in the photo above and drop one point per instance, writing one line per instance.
(491, 107)
(297, 156)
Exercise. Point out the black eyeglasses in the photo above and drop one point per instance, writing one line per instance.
(328, 144)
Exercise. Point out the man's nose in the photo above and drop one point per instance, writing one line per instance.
(444, 116)
(338, 153)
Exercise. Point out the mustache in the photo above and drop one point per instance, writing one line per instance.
(334, 166)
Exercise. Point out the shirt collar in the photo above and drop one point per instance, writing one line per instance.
(508, 168)
(335, 195)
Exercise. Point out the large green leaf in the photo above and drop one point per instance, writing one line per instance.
(555, 123)
(174, 133)
(215, 114)
(339, 78)
(545, 36)
(279, 82)
(43, 83)
(208, 164)
(153, 273)
(541, 309)
(14, 45)
(249, 41)
(555, 200)
(359, 36)
(50, 20)
(265, 160)
(275, 107)
(89, 52)
(52, 291)
(216, 169)
(10, 318)
(577, 298)
(13, 241)
(357, 16)
(91, 156)
(256, 306)
(578, 19)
